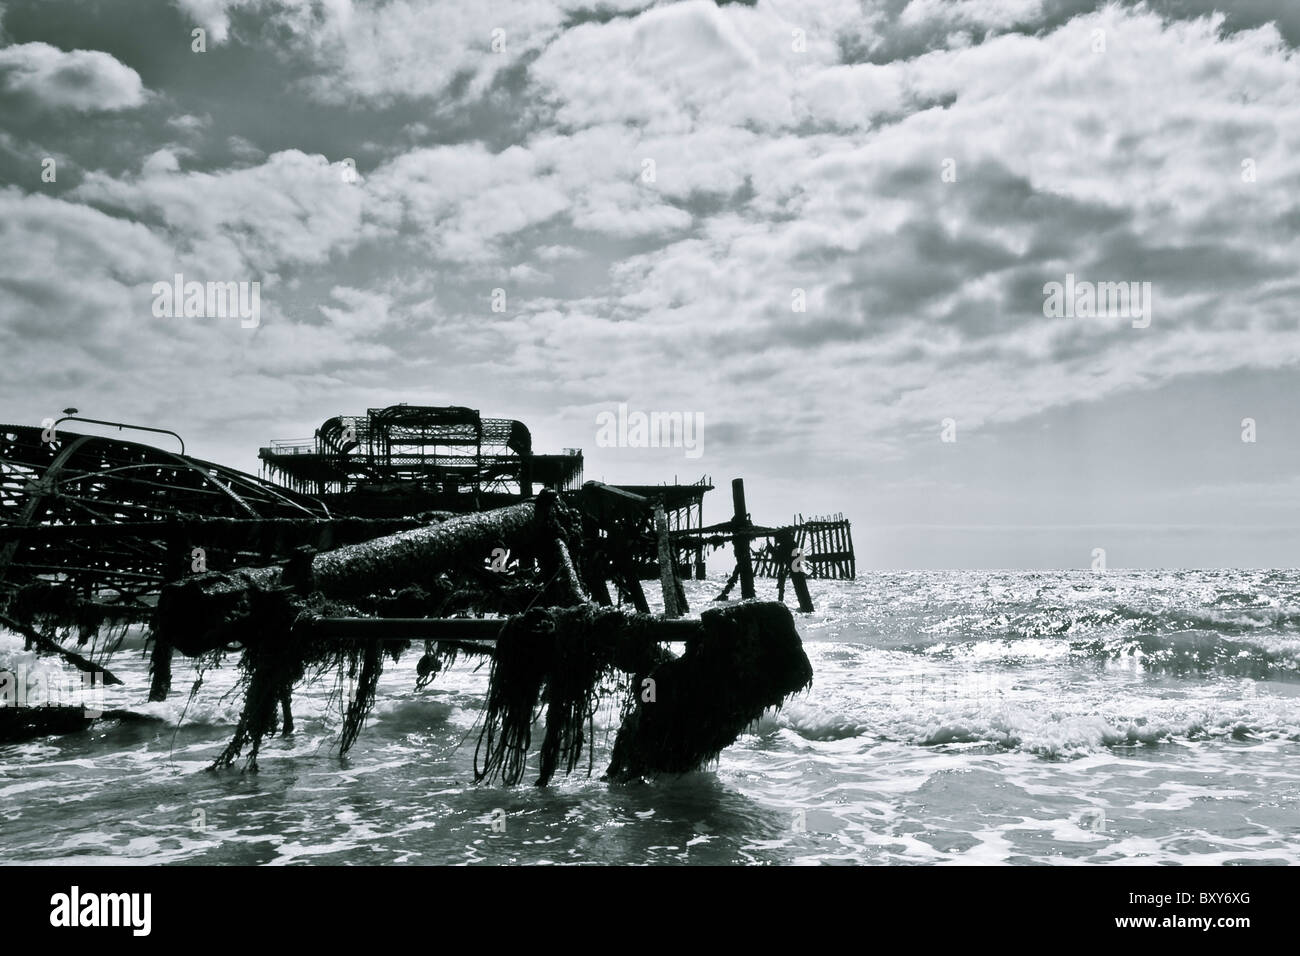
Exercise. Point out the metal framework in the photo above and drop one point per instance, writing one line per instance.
(100, 513)
(684, 508)
(406, 458)
(827, 545)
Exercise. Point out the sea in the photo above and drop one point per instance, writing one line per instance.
(955, 718)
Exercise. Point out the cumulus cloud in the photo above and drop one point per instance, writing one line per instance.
(293, 209)
(359, 308)
(401, 49)
(698, 208)
(82, 80)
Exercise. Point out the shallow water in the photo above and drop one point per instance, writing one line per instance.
(955, 717)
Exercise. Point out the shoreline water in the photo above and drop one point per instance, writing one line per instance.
(954, 718)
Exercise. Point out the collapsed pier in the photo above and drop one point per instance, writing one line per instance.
(398, 551)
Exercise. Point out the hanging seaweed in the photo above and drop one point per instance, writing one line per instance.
(436, 659)
(272, 662)
(581, 667)
(519, 668)
(56, 608)
(365, 665)
(566, 659)
(749, 658)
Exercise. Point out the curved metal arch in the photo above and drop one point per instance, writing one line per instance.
(120, 425)
(34, 501)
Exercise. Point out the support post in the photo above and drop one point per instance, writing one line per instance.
(625, 569)
(160, 659)
(785, 550)
(731, 583)
(667, 579)
(740, 539)
(699, 548)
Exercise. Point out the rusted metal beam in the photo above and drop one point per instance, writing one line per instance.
(480, 630)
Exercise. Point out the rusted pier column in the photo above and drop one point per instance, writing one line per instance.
(160, 659)
(667, 577)
(785, 550)
(740, 540)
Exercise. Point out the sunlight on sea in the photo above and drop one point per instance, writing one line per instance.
(954, 718)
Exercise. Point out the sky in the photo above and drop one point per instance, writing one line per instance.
(823, 230)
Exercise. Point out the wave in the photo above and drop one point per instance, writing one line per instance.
(1046, 732)
(1039, 622)
(1262, 643)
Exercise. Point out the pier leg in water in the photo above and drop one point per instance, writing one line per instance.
(725, 593)
(160, 670)
(667, 575)
(748, 658)
(627, 580)
(785, 551)
(160, 659)
(740, 538)
(286, 711)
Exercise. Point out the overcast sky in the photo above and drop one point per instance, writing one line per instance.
(920, 170)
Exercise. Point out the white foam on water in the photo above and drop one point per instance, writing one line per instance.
(955, 718)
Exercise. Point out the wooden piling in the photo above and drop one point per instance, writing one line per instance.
(731, 583)
(785, 551)
(160, 658)
(667, 579)
(740, 539)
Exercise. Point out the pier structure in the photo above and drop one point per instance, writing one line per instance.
(400, 544)
(404, 459)
(825, 544)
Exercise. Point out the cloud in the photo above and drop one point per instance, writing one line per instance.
(294, 209)
(397, 50)
(243, 149)
(461, 200)
(780, 176)
(82, 80)
(361, 309)
(189, 123)
(214, 15)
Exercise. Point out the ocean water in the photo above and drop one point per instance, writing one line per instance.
(959, 717)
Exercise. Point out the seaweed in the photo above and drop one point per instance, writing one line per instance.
(748, 659)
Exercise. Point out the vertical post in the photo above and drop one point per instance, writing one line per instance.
(598, 588)
(699, 548)
(785, 549)
(630, 585)
(844, 547)
(667, 579)
(160, 661)
(853, 558)
(731, 583)
(624, 567)
(839, 549)
(740, 539)
(819, 539)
